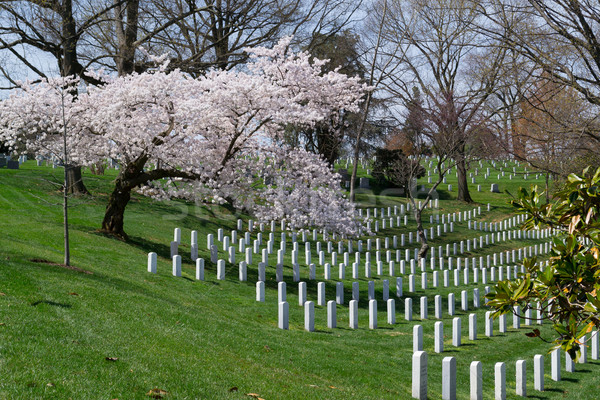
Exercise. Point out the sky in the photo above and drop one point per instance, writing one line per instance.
(16, 69)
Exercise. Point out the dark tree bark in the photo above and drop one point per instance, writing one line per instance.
(421, 233)
(75, 181)
(127, 31)
(463, 188)
(115, 210)
(131, 176)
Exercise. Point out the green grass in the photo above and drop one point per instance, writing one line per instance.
(211, 339)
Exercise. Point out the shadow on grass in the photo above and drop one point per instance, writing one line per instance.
(51, 303)
(161, 250)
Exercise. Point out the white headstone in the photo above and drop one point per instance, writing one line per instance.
(439, 337)
(260, 291)
(284, 312)
(419, 375)
(391, 311)
(331, 314)
(372, 314)
(176, 265)
(472, 326)
(538, 372)
(200, 269)
(476, 381)
(500, 381)
(555, 364)
(521, 378)
(449, 378)
(309, 316)
(456, 332)
(221, 270)
(152, 262)
(353, 309)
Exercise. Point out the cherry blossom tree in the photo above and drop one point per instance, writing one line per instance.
(216, 138)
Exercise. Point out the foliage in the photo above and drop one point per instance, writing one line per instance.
(394, 167)
(568, 289)
(326, 138)
(410, 137)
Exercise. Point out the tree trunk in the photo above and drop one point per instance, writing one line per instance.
(130, 176)
(547, 187)
(75, 181)
(463, 188)
(115, 210)
(126, 31)
(421, 234)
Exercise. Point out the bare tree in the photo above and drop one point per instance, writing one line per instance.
(202, 34)
(440, 52)
(380, 67)
(554, 51)
(558, 36)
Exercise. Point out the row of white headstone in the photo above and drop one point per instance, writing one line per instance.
(283, 307)
(270, 245)
(246, 239)
(517, 316)
(379, 214)
(443, 263)
(508, 272)
(420, 372)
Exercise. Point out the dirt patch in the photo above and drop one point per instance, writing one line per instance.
(48, 262)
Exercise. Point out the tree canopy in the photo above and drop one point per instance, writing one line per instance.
(215, 138)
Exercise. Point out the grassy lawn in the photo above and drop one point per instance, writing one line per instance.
(109, 329)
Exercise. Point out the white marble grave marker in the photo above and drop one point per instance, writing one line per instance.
(456, 331)
(321, 293)
(500, 381)
(339, 292)
(176, 265)
(391, 311)
(439, 337)
(419, 375)
(555, 365)
(152, 262)
(408, 309)
(260, 291)
(521, 378)
(284, 313)
(200, 269)
(476, 379)
(331, 314)
(372, 314)
(281, 292)
(449, 378)
(423, 307)
(309, 316)
(417, 338)
(353, 309)
(538, 372)
(472, 326)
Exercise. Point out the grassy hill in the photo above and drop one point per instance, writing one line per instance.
(109, 329)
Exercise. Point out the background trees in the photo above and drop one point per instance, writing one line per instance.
(440, 51)
(553, 50)
(197, 35)
(557, 36)
(328, 137)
